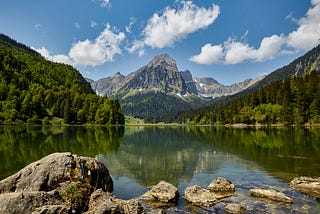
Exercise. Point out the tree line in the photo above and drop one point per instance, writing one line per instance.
(35, 90)
(295, 100)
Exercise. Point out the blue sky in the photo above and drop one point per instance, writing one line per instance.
(229, 40)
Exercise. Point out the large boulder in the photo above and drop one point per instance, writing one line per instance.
(163, 192)
(58, 182)
(307, 185)
(271, 196)
(49, 172)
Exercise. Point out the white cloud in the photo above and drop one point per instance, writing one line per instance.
(305, 37)
(77, 25)
(209, 55)
(137, 46)
(105, 3)
(163, 30)
(90, 53)
(132, 22)
(233, 52)
(308, 33)
(93, 24)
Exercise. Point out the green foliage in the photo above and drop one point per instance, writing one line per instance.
(33, 89)
(292, 101)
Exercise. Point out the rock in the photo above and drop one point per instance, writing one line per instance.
(26, 202)
(200, 197)
(53, 209)
(307, 185)
(162, 192)
(47, 174)
(58, 183)
(234, 209)
(104, 202)
(271, 196)
(222, 187)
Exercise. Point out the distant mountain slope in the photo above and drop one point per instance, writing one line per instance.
(289, 95)
(299, 67)
(35, 90)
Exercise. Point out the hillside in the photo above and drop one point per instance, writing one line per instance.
(290, 95)
(35, 90)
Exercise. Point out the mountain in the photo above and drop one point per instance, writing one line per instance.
(159, 88)
(289, 95)
(35, 90)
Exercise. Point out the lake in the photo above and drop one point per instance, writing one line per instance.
(138, 157)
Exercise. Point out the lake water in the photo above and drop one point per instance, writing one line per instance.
(138, 157)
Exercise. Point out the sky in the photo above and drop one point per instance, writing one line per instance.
(228, 40)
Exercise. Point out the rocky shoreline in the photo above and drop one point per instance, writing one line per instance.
(67, 183)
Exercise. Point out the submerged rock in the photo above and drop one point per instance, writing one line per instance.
(234, 209)
(271, 196)
(307, 185)
(162, 192)
(58, 182)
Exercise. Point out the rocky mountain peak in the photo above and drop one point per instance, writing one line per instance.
(163, 60)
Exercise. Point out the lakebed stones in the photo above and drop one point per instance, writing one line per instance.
(271, 196)
(161, 193)
(307, 185)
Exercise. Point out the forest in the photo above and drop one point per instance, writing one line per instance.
(293, 101)
(35, 90)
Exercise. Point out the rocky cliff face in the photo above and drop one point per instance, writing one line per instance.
(162, 75)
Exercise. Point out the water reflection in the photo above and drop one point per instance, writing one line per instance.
(21, 145)
(138, 157)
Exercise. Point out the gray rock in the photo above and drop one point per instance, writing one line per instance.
(162, 192)
(200, 197)
(222, 186)
(307, 185)
(47, 174)
(58, 183)
(271, 196)
(234, 209)
(27, 202)
(53, 209)
(104, 202)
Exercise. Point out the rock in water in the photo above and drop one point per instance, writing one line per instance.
(162, 192)
(307, 185)
(222, 187)
(199, 196)
(104, 202)
(271, 196)
(234, 209)
(54, 181)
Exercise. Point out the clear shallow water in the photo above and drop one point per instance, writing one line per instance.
(138, 157)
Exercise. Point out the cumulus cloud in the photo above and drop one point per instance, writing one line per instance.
(163, 30)
(307, 34)
(305, 37)
(209, 55)
(90, 53)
